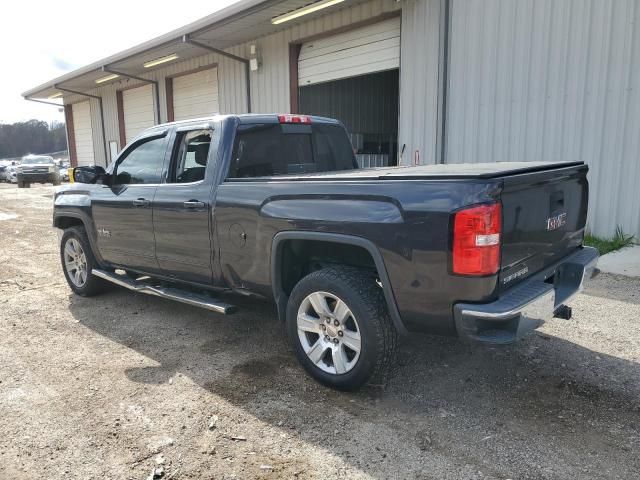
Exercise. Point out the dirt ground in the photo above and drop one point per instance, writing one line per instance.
(114, 386)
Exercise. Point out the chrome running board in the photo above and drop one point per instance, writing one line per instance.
(171, 293)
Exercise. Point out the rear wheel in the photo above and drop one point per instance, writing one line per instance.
(340, 328)
(78, 262)
(20, 184)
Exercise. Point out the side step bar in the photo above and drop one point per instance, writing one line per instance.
(183, 296)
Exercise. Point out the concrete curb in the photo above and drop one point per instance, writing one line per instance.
(625, 261)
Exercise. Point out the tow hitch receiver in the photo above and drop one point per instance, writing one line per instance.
(563, 311)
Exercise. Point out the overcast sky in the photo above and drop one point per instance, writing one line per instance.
(44, 39)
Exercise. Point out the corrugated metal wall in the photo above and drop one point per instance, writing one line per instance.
(419, 78)
(551, 80)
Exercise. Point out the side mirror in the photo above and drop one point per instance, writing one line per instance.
(91, 174)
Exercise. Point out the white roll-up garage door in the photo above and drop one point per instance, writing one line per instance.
(82, 133)
(195, 95)
(137, 106)
(369, 49)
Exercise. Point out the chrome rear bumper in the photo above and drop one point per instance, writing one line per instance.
(527, 305)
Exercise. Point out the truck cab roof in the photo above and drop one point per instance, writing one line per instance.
(248, 118)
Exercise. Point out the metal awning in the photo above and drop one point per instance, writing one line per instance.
(241, 22)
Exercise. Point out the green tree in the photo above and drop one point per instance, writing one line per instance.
(33, 136)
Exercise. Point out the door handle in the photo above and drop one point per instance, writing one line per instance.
(141, 202)
(193, 204)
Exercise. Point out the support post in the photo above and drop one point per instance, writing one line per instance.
(443, 81)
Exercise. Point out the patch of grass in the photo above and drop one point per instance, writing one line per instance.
(606, 245)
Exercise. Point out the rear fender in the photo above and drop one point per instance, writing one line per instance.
(282, 298)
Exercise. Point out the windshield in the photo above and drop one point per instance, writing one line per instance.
(36, 160)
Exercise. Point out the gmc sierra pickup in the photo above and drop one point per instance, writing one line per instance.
(275, 206)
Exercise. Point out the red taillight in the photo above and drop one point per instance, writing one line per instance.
(287, 118)
(476, 240)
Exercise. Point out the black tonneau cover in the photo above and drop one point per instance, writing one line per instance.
(426, 172)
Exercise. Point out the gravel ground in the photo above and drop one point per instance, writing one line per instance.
(114, 386)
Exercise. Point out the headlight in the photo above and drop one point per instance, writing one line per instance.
(52, 168)
(18, 169)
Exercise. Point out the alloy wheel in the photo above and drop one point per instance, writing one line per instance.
(75, 262)
(329, 333)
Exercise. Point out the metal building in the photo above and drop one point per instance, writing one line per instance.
(414, 81)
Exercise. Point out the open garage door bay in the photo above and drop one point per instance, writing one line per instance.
(354, 77)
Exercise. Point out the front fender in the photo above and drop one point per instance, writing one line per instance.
(76, 205)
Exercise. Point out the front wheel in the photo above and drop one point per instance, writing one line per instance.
(338, 323)
(78, 262)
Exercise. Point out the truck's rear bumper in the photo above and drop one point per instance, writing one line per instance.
(526, 306)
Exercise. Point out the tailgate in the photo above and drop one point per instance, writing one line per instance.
(544, 217)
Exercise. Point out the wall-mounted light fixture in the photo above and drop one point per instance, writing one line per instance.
(254, 58)
(314, 7)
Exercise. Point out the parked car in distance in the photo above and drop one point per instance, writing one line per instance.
(37, 169)
(11, 174)
(64, 172)
(274, 206)
(5, 168)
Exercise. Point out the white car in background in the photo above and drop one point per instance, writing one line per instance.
(5, 169)
(64, 172)
(11, 174)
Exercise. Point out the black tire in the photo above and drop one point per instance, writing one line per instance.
(56, 182)
(365, 300)
(20, 184)
(93, 285)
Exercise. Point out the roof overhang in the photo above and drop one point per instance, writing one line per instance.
(241, 22)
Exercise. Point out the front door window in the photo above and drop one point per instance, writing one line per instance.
(142, 164)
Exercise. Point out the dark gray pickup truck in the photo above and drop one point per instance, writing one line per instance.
(274, 206)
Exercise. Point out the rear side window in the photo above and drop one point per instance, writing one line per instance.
(284, 149)
(189, 160)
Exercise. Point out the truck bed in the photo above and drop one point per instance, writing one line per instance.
(439, 172)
